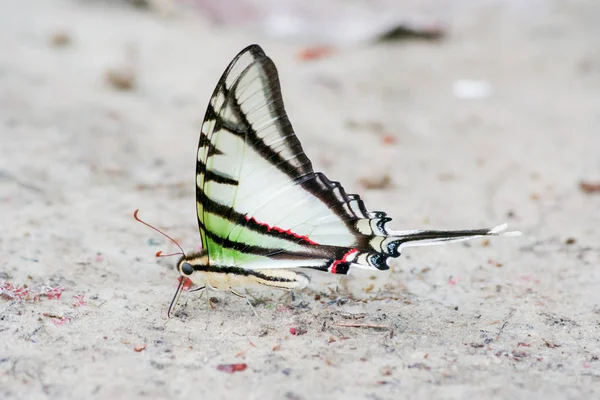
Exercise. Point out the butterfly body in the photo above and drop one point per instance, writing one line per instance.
(204, 274)
(263, 212)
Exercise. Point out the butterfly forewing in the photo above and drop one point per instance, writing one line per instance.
(251, 167)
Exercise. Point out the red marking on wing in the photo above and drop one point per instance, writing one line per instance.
(289, 232)
(334, 265)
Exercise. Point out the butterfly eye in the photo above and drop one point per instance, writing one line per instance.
(187, 269)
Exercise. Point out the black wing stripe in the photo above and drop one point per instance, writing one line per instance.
(250, 136)
(214, 176)
(229, 244)
(226, 269)
(245, 129)
(205, 142)
(226, 212)
(276, 254)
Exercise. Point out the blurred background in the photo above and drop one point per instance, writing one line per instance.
(495, 101)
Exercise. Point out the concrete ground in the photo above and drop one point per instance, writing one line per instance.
(100, 109)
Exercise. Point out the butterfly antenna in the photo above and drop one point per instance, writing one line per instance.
(159, 254)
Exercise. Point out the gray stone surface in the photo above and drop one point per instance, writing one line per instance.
(514, 318)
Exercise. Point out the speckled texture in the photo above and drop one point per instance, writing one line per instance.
(514, 318)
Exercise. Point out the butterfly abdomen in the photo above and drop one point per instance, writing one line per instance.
(226, 277)
(281, 278)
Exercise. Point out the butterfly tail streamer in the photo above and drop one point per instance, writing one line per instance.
(400, 239)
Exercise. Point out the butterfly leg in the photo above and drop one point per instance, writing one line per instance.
(237, 294)
(257, 300)
(247, 301)
(208, 301)
(197, 289)
(202, 290)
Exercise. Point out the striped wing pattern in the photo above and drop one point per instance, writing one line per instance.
(260, 205)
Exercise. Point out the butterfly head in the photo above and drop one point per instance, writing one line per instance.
(188, 264)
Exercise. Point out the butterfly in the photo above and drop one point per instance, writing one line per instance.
(263, 212)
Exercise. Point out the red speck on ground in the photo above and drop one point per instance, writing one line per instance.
(282, 308)
(53, 293)
(590, 187)
(231, 368)
(137, 349)
(79, 301)
(56, 319)
(8, 291)
(530, 278)
(60, 321)
(389, 139)
(297, 331)
(314, 53)
(452, 281)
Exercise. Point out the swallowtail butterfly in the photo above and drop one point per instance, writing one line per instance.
(263, 212)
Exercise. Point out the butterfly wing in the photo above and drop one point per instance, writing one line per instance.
(260, 205)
